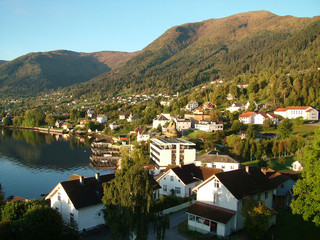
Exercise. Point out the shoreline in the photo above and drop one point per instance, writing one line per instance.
(97, 136)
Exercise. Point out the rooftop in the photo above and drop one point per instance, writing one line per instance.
(169, 141)
(216, 156)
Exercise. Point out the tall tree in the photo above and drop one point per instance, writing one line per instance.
(285, 128)
(307, 189)
(128, 199)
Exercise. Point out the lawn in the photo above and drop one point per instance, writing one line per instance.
(293, 227)
(302, 130)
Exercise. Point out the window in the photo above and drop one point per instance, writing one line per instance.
(214, 166)
(266, 195)
(192, 218)
(232, 167)
(216, 183)
(177, 190)
(165, 178)
(71, 217)
(171, 178)
(215, 197)
(223, 166)
(59, 197)
(164, 188)
(259, 197)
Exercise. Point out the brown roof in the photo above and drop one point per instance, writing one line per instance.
(212, 212)
(281, 110)
(191, 173)
(242, 183)
(87, 194)
(216, 156)
(246, 114)
(278, 178)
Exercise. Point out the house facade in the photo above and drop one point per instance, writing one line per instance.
(296, 166)
(191, 106)
(257, 117)
(236, 107)
(78, 200)
(101, 118)
(181, 180)
(208, 126)
(143, 137)
(182, 124)
(306, 112)
(220, 200)
(217, 159)
(171, 151)
(161, 120)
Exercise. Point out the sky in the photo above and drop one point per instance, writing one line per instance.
(115, 25)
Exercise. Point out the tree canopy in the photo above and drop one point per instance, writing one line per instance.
(307, 189)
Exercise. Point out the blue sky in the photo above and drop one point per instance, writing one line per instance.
(118, 25)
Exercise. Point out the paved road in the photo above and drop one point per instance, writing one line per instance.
(172, 233)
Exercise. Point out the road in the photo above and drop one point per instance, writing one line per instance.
(172, 233)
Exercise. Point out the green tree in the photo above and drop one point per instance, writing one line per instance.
(42, 223)
(285, 128)
(251, 132)
(128, 199)
(7, 121)
(307, 189)
(257, 217)
(236, 126)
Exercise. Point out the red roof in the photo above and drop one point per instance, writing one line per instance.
(281, 110)
(272, 115)
(247, 114)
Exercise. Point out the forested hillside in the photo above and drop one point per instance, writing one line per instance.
(196, 53)
(36, 72)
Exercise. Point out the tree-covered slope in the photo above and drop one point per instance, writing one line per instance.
(35, 72)
(190, 54)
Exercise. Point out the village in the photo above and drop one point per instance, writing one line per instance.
(190, 157)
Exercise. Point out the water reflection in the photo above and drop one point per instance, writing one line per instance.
(32, 163)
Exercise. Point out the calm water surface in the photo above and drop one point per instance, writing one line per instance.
(32, 163)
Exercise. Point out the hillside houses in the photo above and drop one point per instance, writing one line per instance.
(208, 126)
(257, 117)
(306, 112)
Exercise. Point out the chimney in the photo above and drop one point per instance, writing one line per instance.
(81, 179)
(247, 169)
(264, 170)
(97, 175)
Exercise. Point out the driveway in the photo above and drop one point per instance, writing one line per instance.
(171, 234)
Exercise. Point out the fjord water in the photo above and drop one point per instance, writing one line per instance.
(32, 163)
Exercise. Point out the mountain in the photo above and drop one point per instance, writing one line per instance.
(2, 62)
(36, 72)
(194, 53)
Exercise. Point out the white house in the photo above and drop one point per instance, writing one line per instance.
(235, 107)
(257, 117)
(161, 120)
(171, 151)
(221, 197)
(217, 159)
(182, 124)
(113, 126)
(208, 126)
(181, 180)
(296, 166)
(191, 106)
(248, 105)
(143, 136)
(306, 112)
(247, 117)
(101, 118)
(78, 200)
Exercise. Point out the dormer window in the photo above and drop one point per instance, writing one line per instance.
(216, 183)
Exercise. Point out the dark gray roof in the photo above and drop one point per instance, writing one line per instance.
(216, 156)
(242, 183)
(87, 194)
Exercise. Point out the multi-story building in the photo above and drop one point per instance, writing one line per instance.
(171, 151)
(306, 112)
